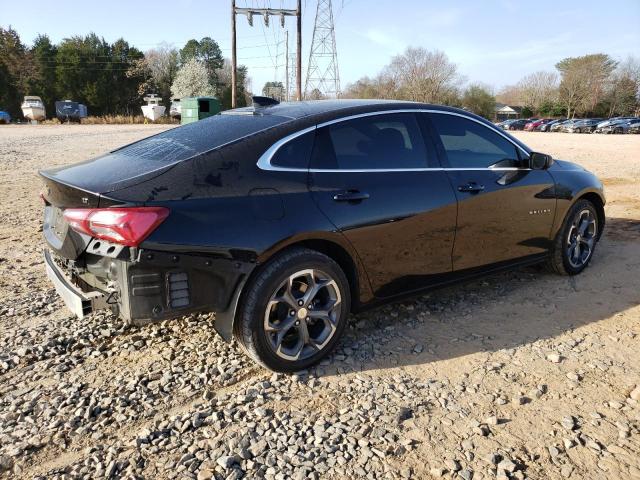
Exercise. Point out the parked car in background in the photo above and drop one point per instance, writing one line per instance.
(284, 218)
(4, 117)
(616, 126)
(505, 123)
(517, 124)
(587, 125)
(623, 126)
(634, 127)
(559, 127)
(546, 127)
(609, 121)
(534, 124)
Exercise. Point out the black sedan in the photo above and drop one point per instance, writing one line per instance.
(518, 124)
(284, 218)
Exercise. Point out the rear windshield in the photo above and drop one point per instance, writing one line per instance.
(195, 138)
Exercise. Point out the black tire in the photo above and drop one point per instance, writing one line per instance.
(249, 326)
(559, 259)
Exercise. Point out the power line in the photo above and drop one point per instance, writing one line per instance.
(266, 13)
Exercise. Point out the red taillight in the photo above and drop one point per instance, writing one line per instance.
(126, 226)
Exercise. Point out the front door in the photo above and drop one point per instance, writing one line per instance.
(505, 209)
(372, 176)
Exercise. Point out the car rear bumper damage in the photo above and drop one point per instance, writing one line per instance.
(154, 285)
(79, 302)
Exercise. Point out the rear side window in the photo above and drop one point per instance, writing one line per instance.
(295, 153)
(195, 138)
(469, 144)
(378, 142)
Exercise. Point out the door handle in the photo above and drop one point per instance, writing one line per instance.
(350, 196)
(472, 187)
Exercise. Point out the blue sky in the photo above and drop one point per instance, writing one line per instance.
(492, 41)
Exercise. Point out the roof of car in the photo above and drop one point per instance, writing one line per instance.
(295, 110)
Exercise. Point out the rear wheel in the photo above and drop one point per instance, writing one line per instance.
(576, 241)
(294, 311)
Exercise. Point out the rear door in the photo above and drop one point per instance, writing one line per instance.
(505, 209)
(379, 183)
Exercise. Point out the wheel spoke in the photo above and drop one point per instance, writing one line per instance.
(303, 331)
(282, 327)
(312, 291)
(325, 311)
(583, 225)
(287, 299)
(575, 251)
(294, 352)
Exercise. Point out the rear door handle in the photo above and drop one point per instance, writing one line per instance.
(350, 196)
(471, 187)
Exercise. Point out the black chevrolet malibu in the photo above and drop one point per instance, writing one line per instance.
(284, 218)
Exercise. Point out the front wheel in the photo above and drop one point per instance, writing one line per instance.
(576, 241)
(294, 311)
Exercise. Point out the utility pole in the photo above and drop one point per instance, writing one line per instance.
(234, 87)
(299, 51)
(286, 65)
(323, 76)
(265, 13)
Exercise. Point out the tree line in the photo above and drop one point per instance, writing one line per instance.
(590, 85)
(111, 78)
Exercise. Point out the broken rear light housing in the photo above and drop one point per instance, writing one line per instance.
(125, 226)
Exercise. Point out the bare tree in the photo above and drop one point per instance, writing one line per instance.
(538, 89)
(511, 95)
(623, 93)
(417, 74)
(423, 75)
(377, 87)
(163, 65)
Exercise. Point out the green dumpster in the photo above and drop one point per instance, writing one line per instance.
(197, 108)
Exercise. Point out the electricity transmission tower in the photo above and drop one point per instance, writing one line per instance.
(322, 72)
(291, 75)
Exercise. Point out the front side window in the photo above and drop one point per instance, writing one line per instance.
(469, 144)
(378, 142)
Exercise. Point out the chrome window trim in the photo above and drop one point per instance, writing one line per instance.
(264, 162)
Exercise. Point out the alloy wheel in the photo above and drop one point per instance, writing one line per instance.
(581, 238)
(302, 314)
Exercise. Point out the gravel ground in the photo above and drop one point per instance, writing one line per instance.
(518, 375)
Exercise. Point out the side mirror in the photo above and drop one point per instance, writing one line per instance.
(540, 161)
